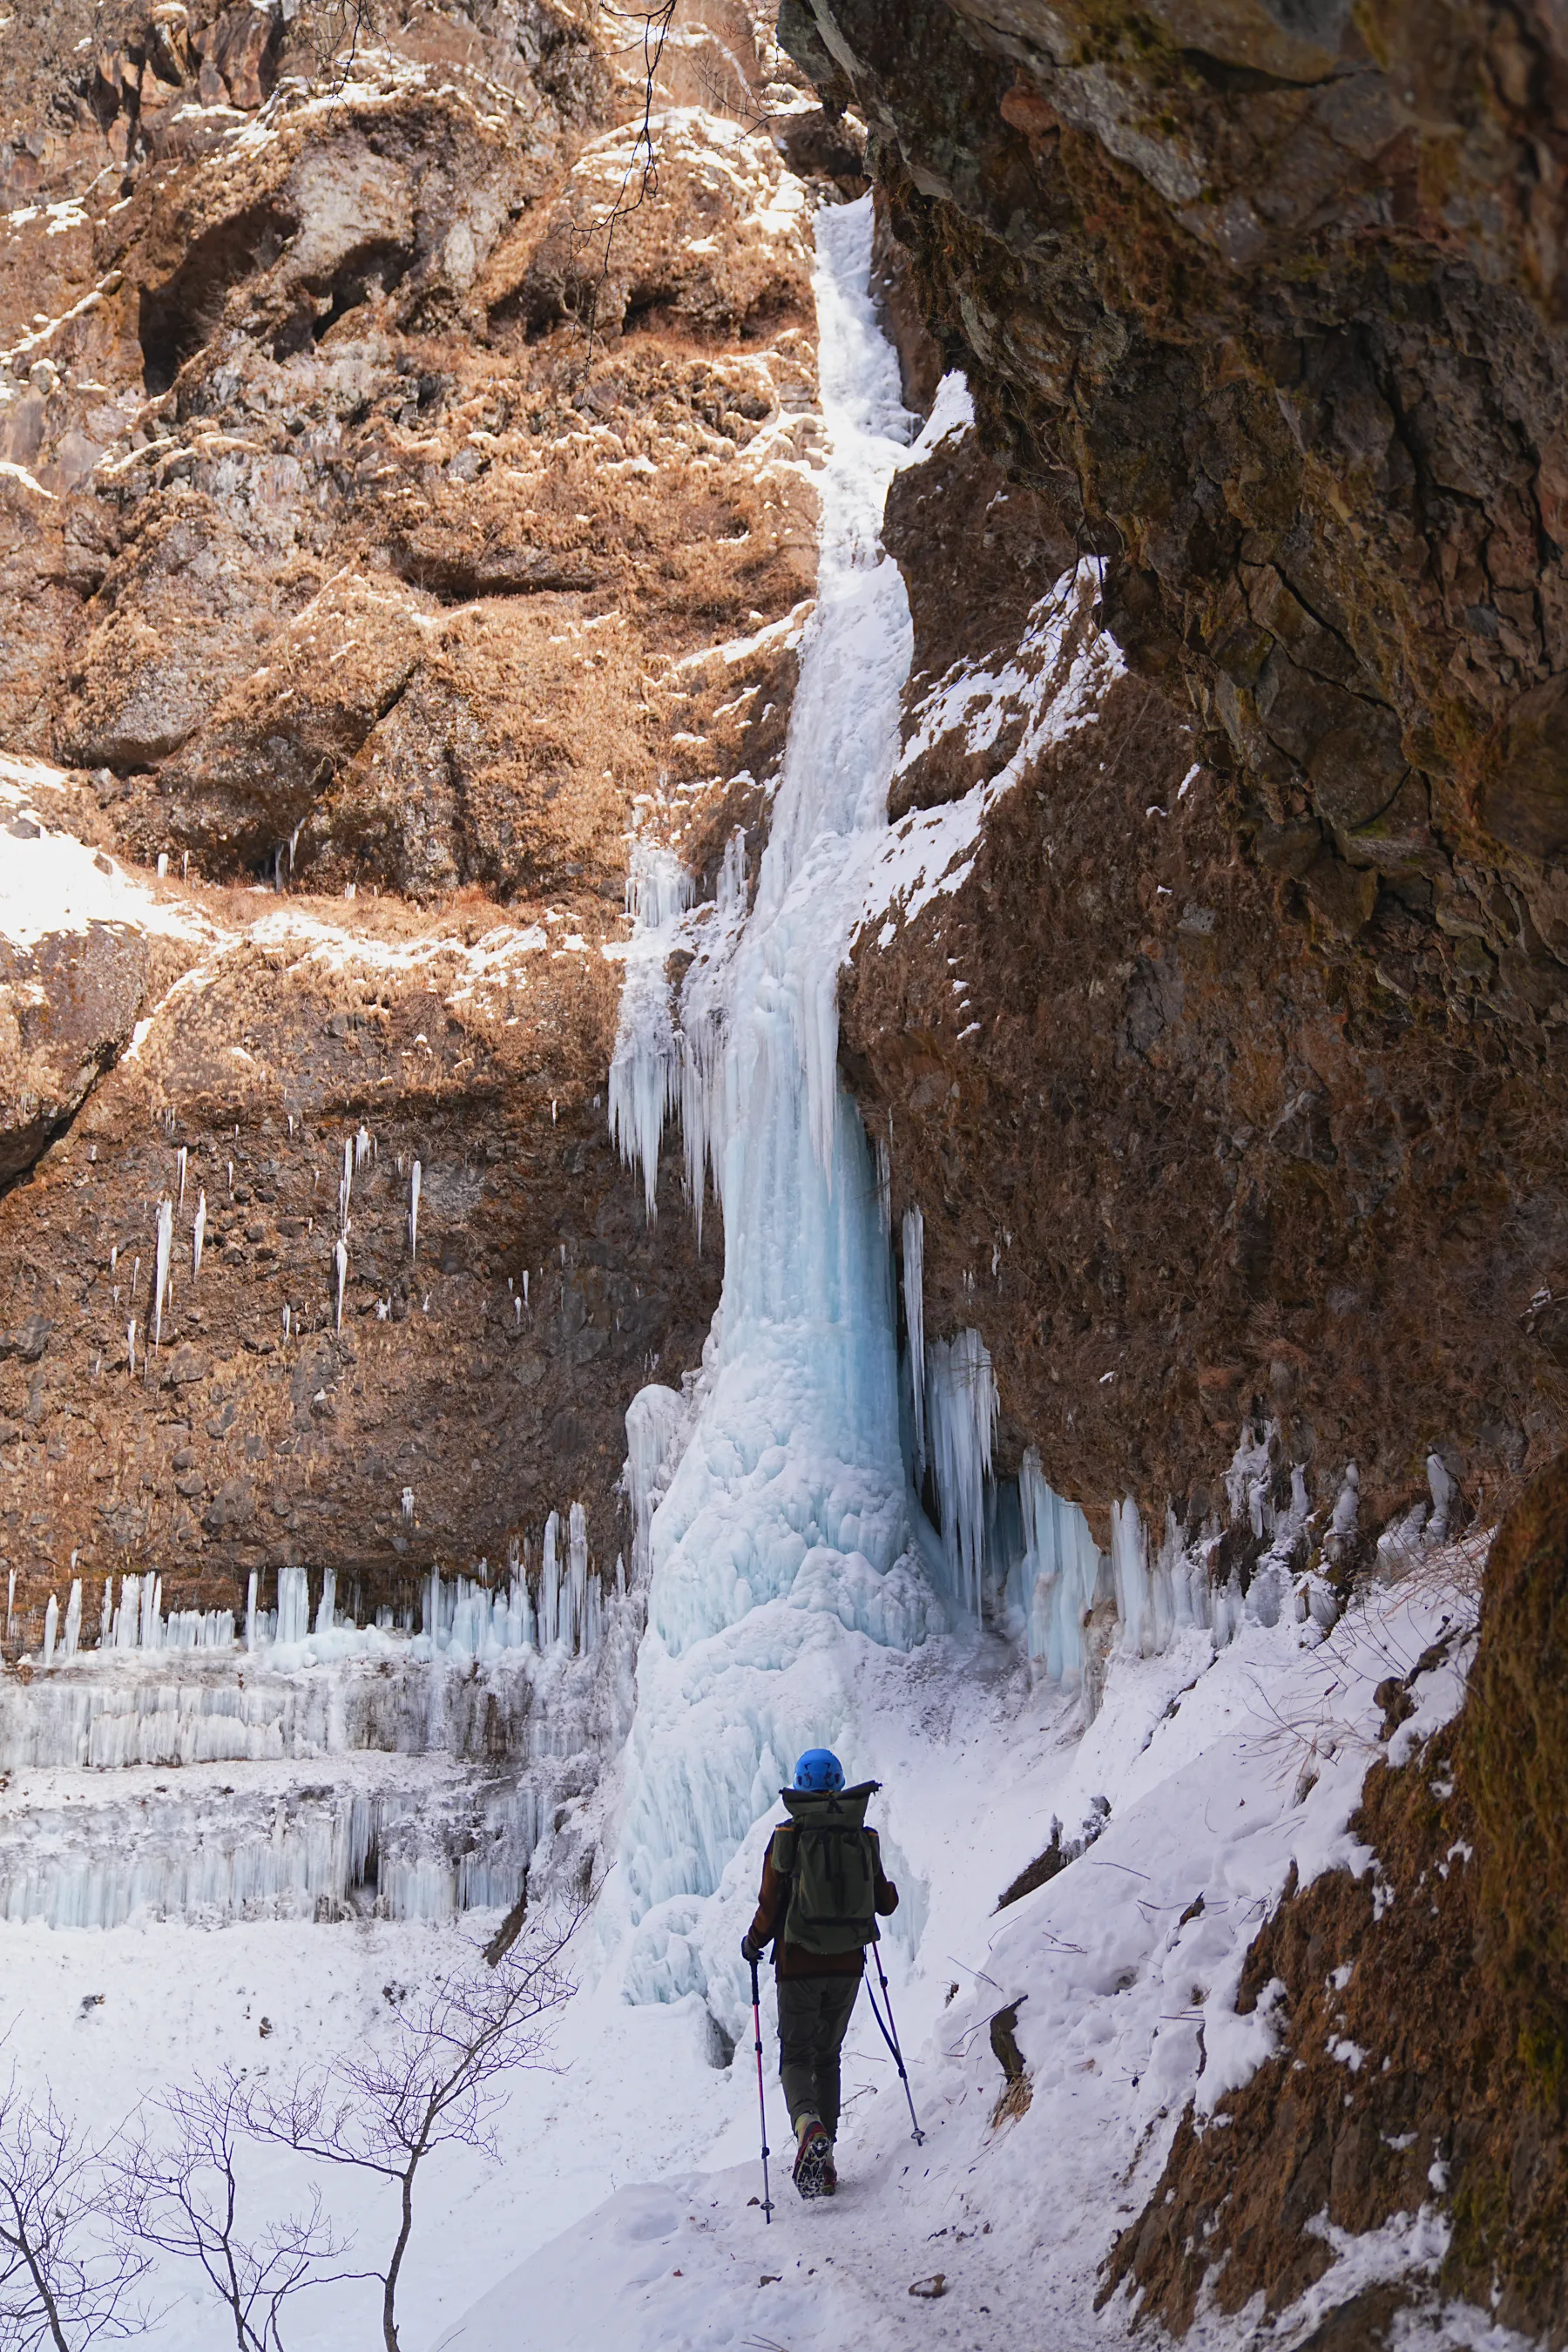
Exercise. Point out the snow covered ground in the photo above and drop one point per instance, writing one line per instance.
(639, 2156)
(1208, 1761)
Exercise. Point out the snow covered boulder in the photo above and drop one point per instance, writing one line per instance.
(72, 981)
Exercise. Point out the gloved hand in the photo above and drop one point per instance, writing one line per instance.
(751, 1953)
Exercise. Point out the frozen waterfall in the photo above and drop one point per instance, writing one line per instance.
(784, 1548)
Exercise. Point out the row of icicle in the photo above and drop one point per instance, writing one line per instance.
(465, 1615)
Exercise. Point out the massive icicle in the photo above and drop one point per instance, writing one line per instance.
(1061, 1571)
(161, 1279)
(786, 1546)
(961, 1416)
(914, 1323)
(644, 1074)
(784, 1541)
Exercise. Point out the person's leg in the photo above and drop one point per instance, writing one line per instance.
(832, 2022)
(800, 2000)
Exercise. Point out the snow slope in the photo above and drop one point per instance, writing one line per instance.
(1125, 2012)
(976, 1762)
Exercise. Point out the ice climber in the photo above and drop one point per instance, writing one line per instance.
(823, 1887)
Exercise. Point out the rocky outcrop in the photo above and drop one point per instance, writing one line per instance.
(73, 977)
(475, 1375)
(1187, 1164)
(1422, 2007)
(1273, 310)
(347, 547)
(1217, 1034)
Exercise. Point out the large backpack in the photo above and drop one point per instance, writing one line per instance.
(829, 1859)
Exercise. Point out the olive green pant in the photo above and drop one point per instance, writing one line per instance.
(814, 2017)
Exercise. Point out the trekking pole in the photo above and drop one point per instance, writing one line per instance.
(891, 2038)
(762, 2101)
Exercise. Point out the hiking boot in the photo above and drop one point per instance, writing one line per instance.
(812, 2158)
(830, 2173)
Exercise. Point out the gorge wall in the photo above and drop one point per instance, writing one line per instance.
(1226, 1077)
(356, 586)
(401, 582)
(1264, 309)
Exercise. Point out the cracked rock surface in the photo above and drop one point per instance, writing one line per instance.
(1272, 304)
(355, 600)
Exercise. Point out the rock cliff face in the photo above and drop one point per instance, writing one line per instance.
(1273, 305)
(1264, 310)
(350, 581)
(1184, 1162)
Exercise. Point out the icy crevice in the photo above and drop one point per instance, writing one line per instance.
(960, 1409)
(1057, 689)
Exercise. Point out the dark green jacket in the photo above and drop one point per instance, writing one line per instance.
(791, 1960)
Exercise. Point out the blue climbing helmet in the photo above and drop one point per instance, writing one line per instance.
(819, 1771)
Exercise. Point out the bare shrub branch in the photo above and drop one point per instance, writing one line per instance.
(182, 2195)
(68, 2270)
(438, 2085)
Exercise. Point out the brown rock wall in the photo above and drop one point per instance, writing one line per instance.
(344, 571)
(1187, 1157)
(304, 400)
(478, 1045)
(1276, 317)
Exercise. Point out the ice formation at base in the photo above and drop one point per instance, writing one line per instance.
(402, 1845)
(408, 1814)
(469, 1615)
